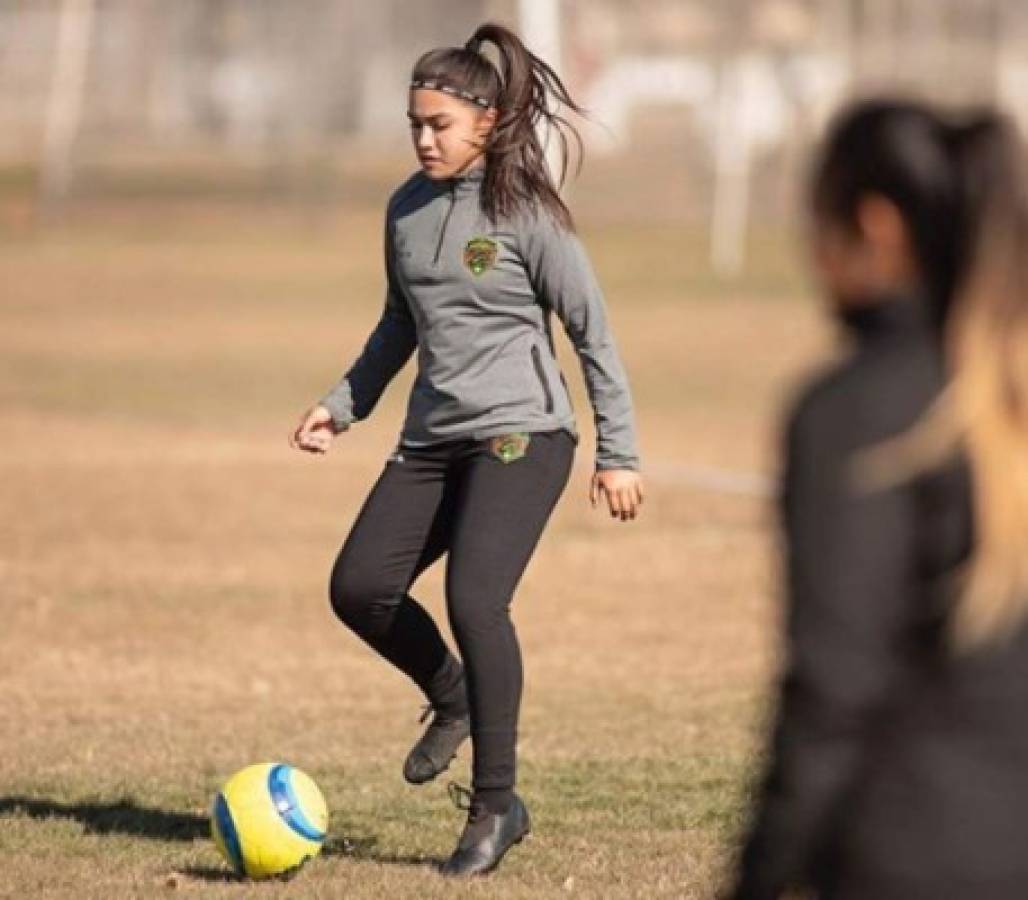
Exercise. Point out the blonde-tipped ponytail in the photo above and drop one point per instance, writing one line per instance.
(987, 348)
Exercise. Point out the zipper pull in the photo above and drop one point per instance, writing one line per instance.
(445, 223)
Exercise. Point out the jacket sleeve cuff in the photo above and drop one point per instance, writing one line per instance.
(606, 463)
(339, 404)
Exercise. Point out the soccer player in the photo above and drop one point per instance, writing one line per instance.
(480, 250)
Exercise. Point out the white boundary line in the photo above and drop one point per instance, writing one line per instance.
(710, 479)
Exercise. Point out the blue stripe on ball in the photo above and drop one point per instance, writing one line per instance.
(229, 835)
(288, 804)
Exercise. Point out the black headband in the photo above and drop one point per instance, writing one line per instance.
(431, 85)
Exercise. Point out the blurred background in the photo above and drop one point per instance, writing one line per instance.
(303, 101)
(191, 203)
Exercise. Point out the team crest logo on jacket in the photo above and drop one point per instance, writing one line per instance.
(480, 254)
(508, 448)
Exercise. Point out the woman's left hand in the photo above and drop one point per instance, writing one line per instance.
(623, 489)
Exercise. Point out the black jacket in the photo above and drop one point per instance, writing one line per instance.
(898, 769)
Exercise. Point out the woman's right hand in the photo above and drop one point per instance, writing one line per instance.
(315, 432)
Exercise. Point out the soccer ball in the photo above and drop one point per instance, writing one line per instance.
(268, 819)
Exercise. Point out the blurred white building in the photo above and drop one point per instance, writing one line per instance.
(733, 90)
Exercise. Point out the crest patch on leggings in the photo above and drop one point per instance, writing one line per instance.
(480, 255)
(509, 447)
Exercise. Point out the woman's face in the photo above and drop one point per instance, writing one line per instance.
(448, 133)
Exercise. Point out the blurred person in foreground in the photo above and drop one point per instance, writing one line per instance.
(480, 253)
(899, 760)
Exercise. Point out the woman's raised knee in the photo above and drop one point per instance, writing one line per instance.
(353, 590)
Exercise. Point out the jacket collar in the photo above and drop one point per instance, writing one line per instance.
(887, 315)
(469, 181)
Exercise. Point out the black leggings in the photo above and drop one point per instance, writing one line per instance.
(459, 498)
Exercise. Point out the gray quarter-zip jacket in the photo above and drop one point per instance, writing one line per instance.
(474, 299)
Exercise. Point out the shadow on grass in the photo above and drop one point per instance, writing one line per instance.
(119, 817)
(129, 818)
(364, 848)
(212, 875)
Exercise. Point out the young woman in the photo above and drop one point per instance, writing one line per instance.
(479, 251)
(899, 765)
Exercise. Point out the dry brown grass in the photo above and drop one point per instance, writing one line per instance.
(163, 559)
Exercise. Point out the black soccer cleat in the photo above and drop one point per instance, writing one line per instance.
(486, 839)
(433, 754)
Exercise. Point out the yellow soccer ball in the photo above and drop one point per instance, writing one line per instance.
(267, 819)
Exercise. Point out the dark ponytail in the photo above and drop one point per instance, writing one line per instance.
(897, 150)
(526, 93)
(960, 184)
(947, 174)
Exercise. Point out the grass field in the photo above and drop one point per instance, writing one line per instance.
(163, 559)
